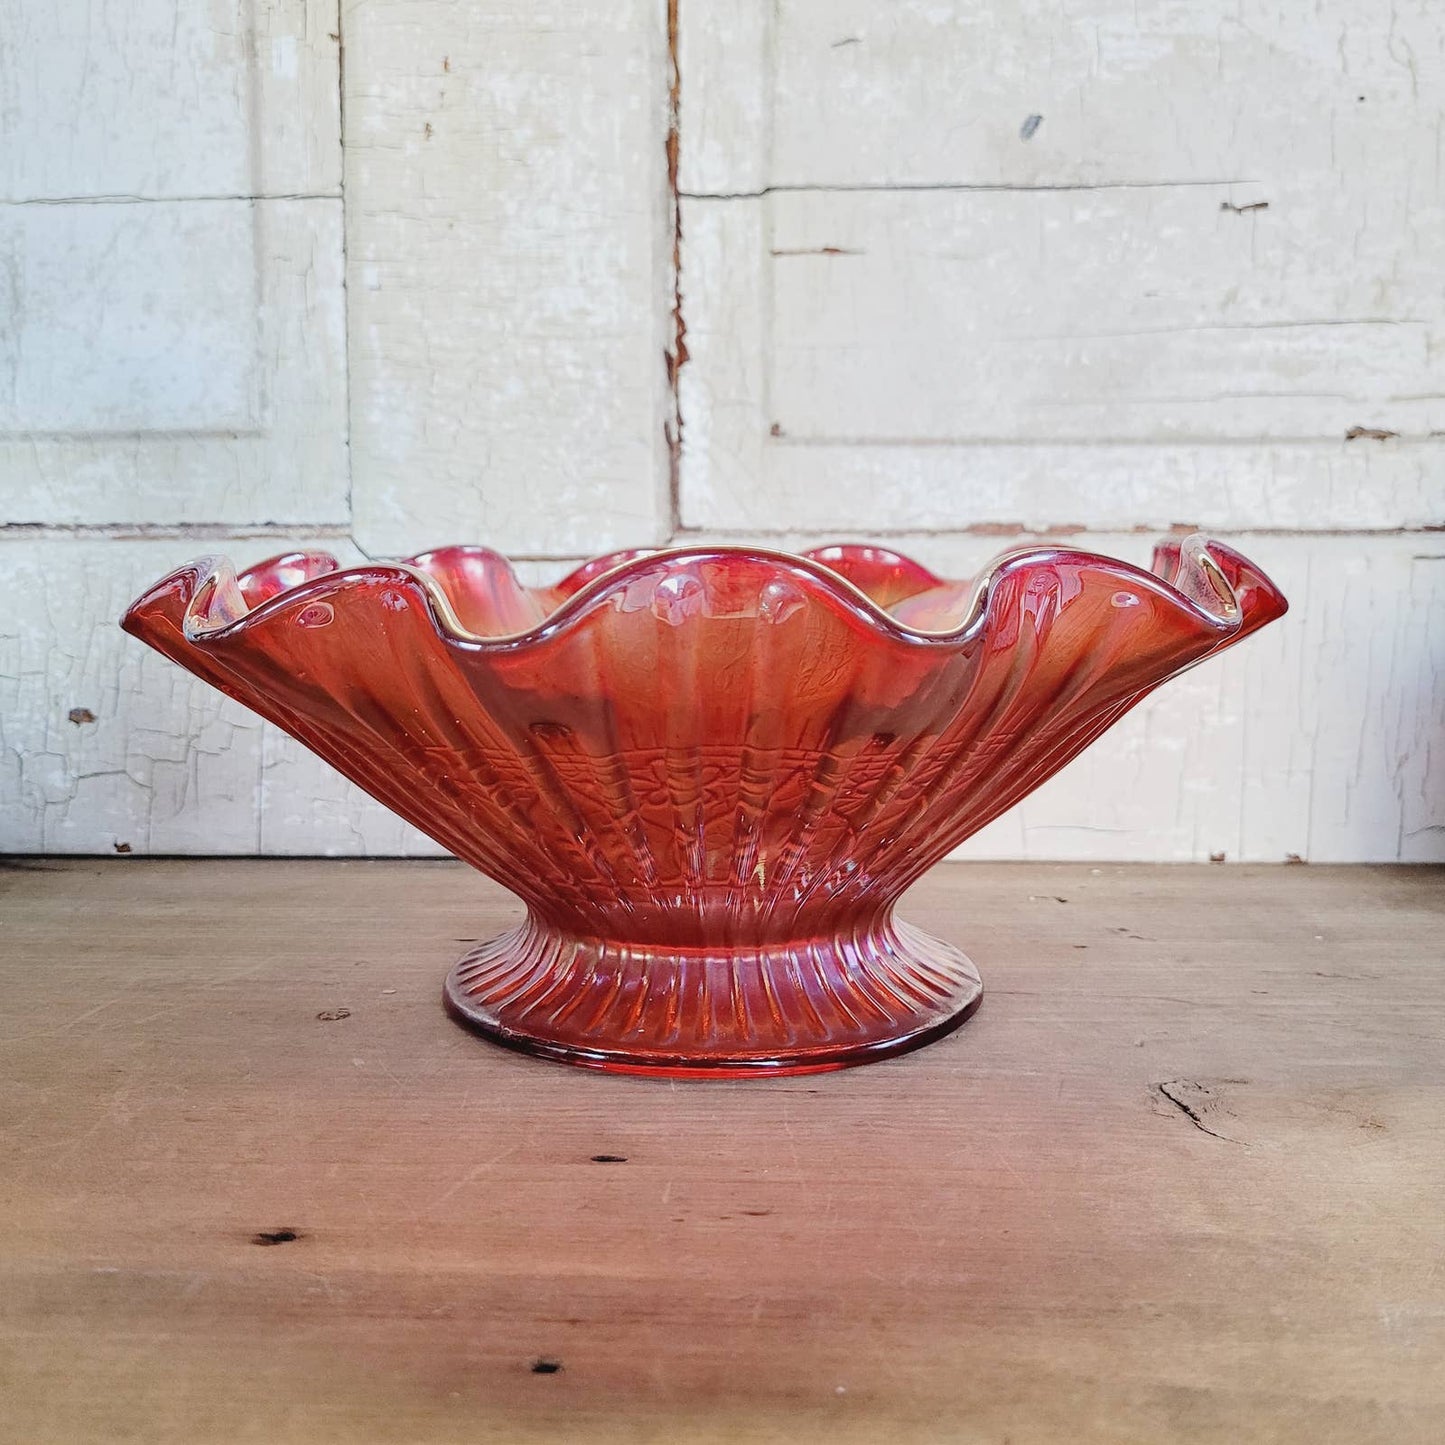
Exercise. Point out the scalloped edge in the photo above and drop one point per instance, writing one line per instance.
(1199, 575)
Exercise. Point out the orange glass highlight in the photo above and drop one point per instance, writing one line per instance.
(708, 772)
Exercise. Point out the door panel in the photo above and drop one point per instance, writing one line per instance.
(962, 275)
(912, 302)
(172, 342)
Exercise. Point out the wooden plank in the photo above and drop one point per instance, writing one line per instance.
(1179, 1179)
(1376, 768)
(507, 242)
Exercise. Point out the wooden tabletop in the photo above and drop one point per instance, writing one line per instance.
(1181, 1179)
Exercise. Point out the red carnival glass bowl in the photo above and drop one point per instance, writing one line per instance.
(709, 772)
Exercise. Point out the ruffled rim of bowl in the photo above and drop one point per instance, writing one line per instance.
(1203, 579)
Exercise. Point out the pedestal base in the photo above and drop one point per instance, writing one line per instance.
(800, 1007)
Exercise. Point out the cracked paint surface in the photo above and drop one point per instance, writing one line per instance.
(1200, 291)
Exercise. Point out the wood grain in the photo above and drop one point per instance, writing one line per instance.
(1178, 1181)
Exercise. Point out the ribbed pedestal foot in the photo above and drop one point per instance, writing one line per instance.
(795, 1007)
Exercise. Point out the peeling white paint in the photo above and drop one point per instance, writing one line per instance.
(1214, 255)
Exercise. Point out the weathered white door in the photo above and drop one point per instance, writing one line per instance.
(954, 274)
(223, 331)
(172, 342)
(962, 272)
